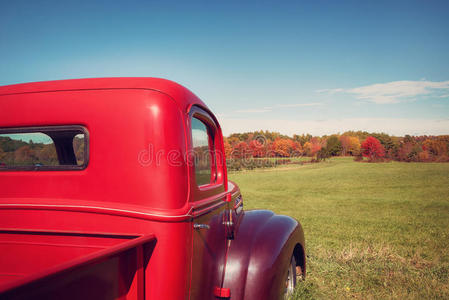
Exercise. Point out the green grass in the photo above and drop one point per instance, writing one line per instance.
(373, 231)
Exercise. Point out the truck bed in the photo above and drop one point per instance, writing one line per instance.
(72, 265)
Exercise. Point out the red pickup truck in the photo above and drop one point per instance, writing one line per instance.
(116, 188)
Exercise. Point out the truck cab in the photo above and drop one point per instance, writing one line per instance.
(116, 188)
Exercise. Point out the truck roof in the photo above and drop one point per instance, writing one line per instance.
(176, 91)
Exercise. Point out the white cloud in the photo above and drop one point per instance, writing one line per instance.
(398, 127)
(270, 108)
(301, 104)
(330, 91)
(255, 110)
(395, 91)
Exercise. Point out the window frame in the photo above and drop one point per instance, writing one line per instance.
(44, 130)
(201, 115)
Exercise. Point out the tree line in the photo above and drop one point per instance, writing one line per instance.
(362, 145)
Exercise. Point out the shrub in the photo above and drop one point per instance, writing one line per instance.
(358, 157)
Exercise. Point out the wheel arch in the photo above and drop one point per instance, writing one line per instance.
(260, 253)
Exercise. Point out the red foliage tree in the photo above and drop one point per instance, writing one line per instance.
(312, 147)
(257, 149)
(241, 150)
(372, 149)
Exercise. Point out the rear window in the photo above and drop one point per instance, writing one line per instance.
(44, 148)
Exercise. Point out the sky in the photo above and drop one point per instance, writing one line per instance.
(295, 67)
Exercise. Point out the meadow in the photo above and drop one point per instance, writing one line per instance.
(373, 230)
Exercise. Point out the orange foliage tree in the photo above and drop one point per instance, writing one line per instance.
(286, 147)
(312, 147)
(435, 147)
(350, 145)
(227, 148)
(408, 151)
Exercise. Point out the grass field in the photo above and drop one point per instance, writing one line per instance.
(373, 231)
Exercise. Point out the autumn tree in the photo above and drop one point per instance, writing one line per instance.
(391, 144)
(312, 147)
(350, 145)
(345, 144)
(354, 148)
(227, 148)
(302, 139)
(285, 147)
(408, 151)
(241, 150)
(408, 139)
(233, 141)
(257, 148)
(435, 147)
(361, 135)
(372, 149)
(444, 139)
(424, 156)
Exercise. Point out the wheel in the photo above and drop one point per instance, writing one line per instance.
(290, 282)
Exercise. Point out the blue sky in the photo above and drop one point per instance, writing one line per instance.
(295, 67)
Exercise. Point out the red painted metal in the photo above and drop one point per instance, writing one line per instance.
(67, 255)
(222, 292)
(123, 228)
(228, 198)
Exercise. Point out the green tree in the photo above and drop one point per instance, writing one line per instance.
(333, 146)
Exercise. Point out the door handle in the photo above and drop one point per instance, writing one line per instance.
(201, 226)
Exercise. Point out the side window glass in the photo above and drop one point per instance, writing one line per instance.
(43, 148)
(203, 151)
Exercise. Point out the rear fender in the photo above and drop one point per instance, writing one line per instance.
(260, 253)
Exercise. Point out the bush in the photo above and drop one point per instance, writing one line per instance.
(254, 163)
(358, 157)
